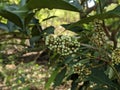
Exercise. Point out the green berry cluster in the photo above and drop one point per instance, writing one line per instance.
(82, 70)
(64, 45)
(116, 56)
(99, 37)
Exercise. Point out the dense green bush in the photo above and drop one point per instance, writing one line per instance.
(90, 58)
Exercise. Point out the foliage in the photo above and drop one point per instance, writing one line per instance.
(87, 58)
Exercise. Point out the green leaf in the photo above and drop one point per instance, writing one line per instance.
(49, 30)
(76, 29)
(33, 40)
(75, 3)
(51, 4)
(97, 87)
(28, 18)
(23, 2)
(26, 88)
(60, 76)
(84, 61)
(111, 73)
(11, 26)
(98, 76)
(21, 12)
(115, 13)
(3, 27)
(52, 78)
(74, 85)
(12, 17)
(36, 30)
(68, 59)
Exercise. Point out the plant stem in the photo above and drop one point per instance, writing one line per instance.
(100, 6)
(113, 34)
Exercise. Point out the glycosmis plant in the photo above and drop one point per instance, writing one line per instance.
(98, 47)
(62, 44)
(116, 56)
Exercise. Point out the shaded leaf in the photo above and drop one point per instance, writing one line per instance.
(74, 85)
(60, 76)
(21, 12)
(26, 88)
(111, 73)
(28, 18)
(68, 60)
(52, 78)
(84, 61)
(11, 26)
(49, 30)
(33, 40)
(4, 27)
(101, 88)
(75, 3)
(98, 76)
(36, 30)
(75, 29)
(8, 27)
(12, 17)
(23, 2)
(115, 13)
(53, 4)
